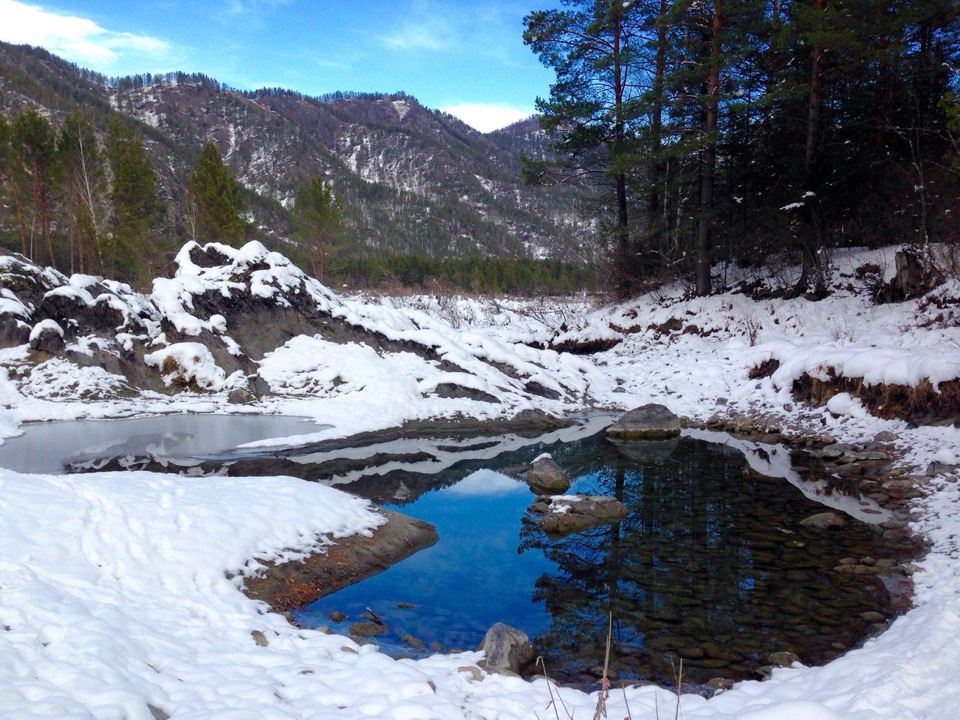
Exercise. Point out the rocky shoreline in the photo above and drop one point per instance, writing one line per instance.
(288, 586)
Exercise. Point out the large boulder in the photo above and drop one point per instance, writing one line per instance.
(647, 422)
(545, 477)
(47, 336)
(507, 649)
(567, 514)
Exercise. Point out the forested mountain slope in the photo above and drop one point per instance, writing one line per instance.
(410, 179)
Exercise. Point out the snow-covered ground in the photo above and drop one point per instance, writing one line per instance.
(119, 595)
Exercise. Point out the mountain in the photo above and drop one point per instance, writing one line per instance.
(412, 180)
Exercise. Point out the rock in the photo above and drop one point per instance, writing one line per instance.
(719, 685)
(475, 674)
(290, 585)
(783, 658)
(259, 638)
(563, 515)
(336, 616)
(653, 421)
(47, 336)
(885, 436)
(157, 713)
(872, 616)
(241, 396)
(367, 628)
(545, 477)
(412, 641)
(507, 649)
(824, 521)
(939, 468)
(13, 331)
(834, 451)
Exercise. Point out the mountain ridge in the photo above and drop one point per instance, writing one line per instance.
(412, 180)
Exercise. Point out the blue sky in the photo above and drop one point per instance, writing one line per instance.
(463, 56)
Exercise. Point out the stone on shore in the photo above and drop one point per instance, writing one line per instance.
(647, 422)
(507, 649)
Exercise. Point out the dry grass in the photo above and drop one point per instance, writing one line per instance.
(600, 711)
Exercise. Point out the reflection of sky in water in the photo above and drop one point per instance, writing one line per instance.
(464, 584)
(702, 560)
(46, 447)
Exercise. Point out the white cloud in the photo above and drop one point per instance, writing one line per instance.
(431, 35)
(77, 39)
(487, 117)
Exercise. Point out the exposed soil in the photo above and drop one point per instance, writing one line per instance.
(292, 585)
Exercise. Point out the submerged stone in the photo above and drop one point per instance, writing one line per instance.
(824, 521)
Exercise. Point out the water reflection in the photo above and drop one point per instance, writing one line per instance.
(91, 444)
(711, 566)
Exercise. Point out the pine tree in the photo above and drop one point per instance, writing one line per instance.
(214, 200)
(595, 48)
(33, 150)
(134, 207)
(318, 223)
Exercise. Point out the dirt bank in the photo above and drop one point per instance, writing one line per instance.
(295, 584)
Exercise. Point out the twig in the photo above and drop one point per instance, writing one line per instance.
(553, 700)
(679, 685)
(601, 711)
(376, 618)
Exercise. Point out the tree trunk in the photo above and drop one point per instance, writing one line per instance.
(811, 243)
(625, 265)
(708, 155)
(656, 170)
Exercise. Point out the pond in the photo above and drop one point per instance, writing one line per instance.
(712, 566)
(53, 447)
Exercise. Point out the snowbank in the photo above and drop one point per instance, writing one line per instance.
(115, 600)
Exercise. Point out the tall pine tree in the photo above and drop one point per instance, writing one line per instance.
(135, 216)
(318, 223)
(595, 49)
(214, 201)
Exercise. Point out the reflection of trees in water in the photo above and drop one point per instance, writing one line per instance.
(710, 566)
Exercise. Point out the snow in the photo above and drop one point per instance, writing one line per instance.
(45, 326)
(120, 591)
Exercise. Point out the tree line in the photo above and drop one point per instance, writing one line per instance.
(747, 129)
(445, 275)
(79, 200)
(86, 198)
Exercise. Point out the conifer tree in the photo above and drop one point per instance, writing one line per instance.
(595, 49)
(134, 206)
(214, 200)
(33, 151)
(318, 223)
